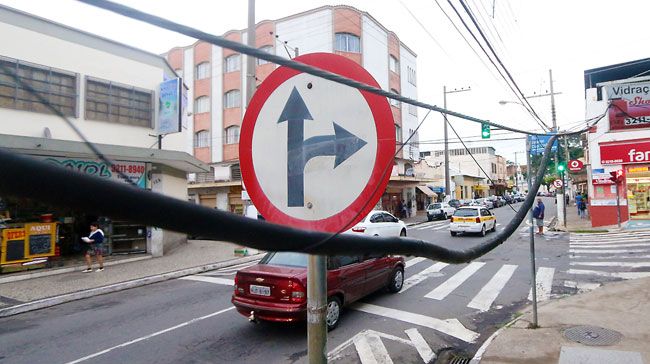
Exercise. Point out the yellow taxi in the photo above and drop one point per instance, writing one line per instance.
(472, 219)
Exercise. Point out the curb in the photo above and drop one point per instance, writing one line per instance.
(74, 296)
(416, 223)
(52, 272)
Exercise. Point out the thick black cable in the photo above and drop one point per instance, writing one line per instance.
(254, 52)
(57, 186)
(496, 56)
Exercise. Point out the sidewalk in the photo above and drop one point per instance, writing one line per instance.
(48, 288)
(621, 306)
(418, 218)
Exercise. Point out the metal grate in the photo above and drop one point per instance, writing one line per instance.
(592, 335)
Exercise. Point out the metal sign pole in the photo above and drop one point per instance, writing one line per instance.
(618, 207)
(533, 281)
(317, 309)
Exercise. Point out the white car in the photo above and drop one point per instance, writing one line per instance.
(380, 223)
(439, 210)
(472, 219)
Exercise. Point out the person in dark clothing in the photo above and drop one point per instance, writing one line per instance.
(538, 215)
(94, 247)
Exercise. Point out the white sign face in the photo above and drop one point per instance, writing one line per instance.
(557, 183)
(330, 182)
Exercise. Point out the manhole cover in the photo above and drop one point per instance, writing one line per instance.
(592, 335)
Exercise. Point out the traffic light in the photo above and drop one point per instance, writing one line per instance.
(616, 176)
(561, 167)
(485, 131)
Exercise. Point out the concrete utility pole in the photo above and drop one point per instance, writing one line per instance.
(533, 283)
(250, 61)
(553, 116)
(447, 177)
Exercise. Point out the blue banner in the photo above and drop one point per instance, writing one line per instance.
(538, 143)
(170, 107)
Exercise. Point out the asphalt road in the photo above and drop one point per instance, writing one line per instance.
(192, 320)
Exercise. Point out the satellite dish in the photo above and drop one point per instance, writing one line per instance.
(47, 133)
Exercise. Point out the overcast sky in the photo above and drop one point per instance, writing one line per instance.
(531, 37)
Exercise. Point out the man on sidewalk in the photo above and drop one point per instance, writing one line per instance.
(538, 215)
(94, 242)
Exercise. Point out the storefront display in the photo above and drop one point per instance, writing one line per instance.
(638, 191)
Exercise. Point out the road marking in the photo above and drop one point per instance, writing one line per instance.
(544, 280)
(631, 256)
(441, 227)
(582, 286)
(623, 275)
(611, 235)
(414, 261)
(606, 240)
(484, 299)
(371, 350)
(454, 282)
(600, 246)
(451, 327)
(614, 264)
(614, 251)
(427, 225)
(143, 338)
(207, 279)
(421, 345)
(419, 277)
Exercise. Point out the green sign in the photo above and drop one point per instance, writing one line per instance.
(485, 131)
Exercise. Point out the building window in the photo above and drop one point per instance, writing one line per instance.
(202, 139)
(393, 101)
(232, 63)
(202, 70)
(411, 76)
(201, 104)
(398, 133)
(58, 87)
(267, 49)
(413, 110)
(393, 64)
(232, 135)
(122, 104)
(346, 42)
(494, 168)
(232, 98)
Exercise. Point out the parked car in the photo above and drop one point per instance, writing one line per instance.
(508, 199)
(485, 203)
(466, 202)
(454, 203)
(275, 289)
(473, 219)
(501, 200)
(495, 201)
(380, 223)
(439, 210)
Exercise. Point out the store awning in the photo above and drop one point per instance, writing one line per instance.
(67, 148)
(427, 191)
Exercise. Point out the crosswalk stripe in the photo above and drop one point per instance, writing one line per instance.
(421, 345)
(623, 275)
(371, 350)
(451, 327)
(427, 225)
(601, 246)
(614, 264)
(615, 251)
(608, 241)
(441, 227)
(414, 261)
(544, 279)
(421, 276)
(599, 235)
(484, 299)
(454, 282)
(207, 279)
(610, 256)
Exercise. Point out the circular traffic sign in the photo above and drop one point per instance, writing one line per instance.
(575, 165)
(558, 183)
(316, 154)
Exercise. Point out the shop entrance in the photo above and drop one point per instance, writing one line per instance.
(638, 188)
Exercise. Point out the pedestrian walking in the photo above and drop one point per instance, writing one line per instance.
(94, 247)
(582, 207)
(538, 215)
(402, 209)
(578, 201)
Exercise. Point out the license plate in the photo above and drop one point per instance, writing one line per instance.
(260, 290)
(463, 226)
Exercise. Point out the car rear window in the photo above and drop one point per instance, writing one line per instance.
(466, 213)
(434, 206)
(285, 258)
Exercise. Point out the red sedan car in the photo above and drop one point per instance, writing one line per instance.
(275, 289)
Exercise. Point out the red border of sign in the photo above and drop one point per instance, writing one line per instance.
(380, 175)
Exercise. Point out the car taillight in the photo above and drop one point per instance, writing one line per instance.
(478, 219)
(298, 292)
(358, 229)
(238, 290)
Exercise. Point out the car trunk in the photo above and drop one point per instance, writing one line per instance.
(272, 283)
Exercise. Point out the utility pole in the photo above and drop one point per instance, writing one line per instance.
(447, 177)
(553, 116)
(533, 283)
(250, 61)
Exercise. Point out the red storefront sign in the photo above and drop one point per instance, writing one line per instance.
(637, 152)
